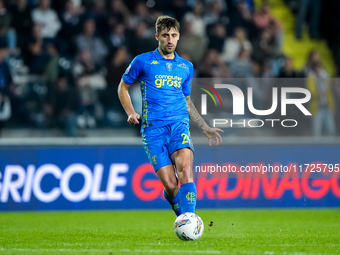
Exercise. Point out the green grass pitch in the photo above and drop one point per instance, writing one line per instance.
(268, 232)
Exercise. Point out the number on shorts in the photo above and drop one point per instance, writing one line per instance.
(185, 138)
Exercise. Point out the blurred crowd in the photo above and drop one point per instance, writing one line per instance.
(61, 60)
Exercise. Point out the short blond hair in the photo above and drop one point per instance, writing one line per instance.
(166, 22)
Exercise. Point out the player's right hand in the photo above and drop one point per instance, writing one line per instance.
(133, 119)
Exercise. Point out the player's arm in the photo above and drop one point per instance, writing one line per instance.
(210, 132)
(125, 100)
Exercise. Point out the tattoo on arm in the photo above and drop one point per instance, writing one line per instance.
(194, 115)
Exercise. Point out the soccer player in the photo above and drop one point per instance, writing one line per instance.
(165, 80)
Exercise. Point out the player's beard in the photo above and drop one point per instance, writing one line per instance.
(166, 50)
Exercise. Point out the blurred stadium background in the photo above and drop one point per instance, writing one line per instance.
(65, 143)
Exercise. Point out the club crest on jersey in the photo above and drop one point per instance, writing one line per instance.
(169, 66)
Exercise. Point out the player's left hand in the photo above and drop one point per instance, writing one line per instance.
(212, 134)
(133, 119)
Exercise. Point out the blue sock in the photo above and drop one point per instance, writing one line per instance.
(174, 203)
(187, 197)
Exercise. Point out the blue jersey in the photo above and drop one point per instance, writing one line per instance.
(164, 85)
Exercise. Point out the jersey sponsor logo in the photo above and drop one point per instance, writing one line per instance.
(154, 62)
(169, 66)
(183, 65)
(169, 80)
(167, 77)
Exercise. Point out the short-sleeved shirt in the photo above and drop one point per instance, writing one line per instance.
(164, 85)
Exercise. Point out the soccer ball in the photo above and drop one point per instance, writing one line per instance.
(188, 227)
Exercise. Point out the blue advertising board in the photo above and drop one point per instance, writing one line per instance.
(120, 177)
